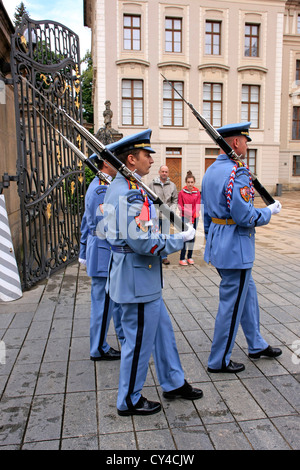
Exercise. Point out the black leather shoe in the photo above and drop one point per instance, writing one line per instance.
(232, 368)
(165, 261)
(110, 355)
(186, 391)
(143, 407)
(268, 352)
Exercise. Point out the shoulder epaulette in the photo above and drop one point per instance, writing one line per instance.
(101, 190)
(132, 184)
(239, 168)
(242, 171)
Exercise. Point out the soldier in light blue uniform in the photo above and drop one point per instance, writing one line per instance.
(95, 254)
(135, 281)
(230, 219)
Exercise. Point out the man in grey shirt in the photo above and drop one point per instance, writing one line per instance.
(166, 190)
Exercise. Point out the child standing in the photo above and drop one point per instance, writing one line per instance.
(189, 205)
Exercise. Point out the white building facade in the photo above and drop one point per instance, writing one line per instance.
(233, 60)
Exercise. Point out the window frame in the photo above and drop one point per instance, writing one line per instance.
(250, 103)
(252, 37)
(296, 122)
(173, 31)
(248, 157)
(213, 101)
(212, 35)
(175, 98)
(133, 99)
(294, 170)
(297, 74)
(174, 151)
(131, 28)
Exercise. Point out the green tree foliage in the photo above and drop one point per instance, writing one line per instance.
(20, 11)
(87, 85)
(87, 105)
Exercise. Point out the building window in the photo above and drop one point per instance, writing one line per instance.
(296, 123)
(297, 70)
(212, 152)
(210, 156)
(250, 105)
(173, 151)
(251, 40)
(173, 35)
(212, 103)
(296, 165)
(172, 104)
(251, 160)
(213, 37)
(298, 24)
(132, 103)
(132, 32)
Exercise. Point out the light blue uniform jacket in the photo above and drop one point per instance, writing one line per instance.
(84, 230)
(229, 246)
(97, 249)
(134, 277)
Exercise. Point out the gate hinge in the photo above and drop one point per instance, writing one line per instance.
(6, 179)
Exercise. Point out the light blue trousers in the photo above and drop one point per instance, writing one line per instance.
(238, 304)
(147, 329)
(102, 310)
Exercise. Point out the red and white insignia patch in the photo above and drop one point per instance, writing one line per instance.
(245, 193)
(140, 224)
(153, 249)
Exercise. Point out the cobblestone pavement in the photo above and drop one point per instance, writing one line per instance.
(53, 397)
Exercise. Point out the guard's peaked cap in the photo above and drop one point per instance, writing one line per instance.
(141, 140)
(241, 128)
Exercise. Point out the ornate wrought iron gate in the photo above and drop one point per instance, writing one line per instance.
(45, 62)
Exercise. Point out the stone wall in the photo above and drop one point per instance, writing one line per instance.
(8, 140)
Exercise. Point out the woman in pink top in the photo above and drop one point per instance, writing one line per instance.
(189, 205)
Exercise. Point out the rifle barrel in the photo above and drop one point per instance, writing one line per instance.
(106, 154)
(221, 142)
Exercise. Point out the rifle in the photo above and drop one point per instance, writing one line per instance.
(106, 154)
(79, 154)
(221, 142)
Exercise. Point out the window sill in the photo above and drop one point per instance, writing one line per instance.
(184, 128)
(133, 61)
(173, 63)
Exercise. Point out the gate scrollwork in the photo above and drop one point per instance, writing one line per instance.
(45, 63)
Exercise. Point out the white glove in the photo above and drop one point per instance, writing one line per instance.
(275, 207)
(189, 234)
(82, 261)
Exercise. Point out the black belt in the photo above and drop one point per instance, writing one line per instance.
(116, 248)
(94, 233)
(121, 249)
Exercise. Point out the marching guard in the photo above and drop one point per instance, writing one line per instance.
(230, 220)
(95, 254)
(135, 281)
